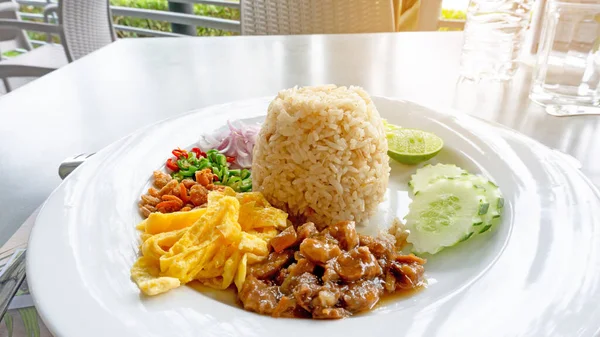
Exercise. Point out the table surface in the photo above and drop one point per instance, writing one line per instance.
(92, 102)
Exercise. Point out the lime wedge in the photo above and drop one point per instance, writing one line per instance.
(412, 146)
(390, 127)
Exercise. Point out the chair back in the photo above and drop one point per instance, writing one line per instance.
(283, 17)
(87, 26)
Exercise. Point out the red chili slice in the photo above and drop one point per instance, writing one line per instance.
(179, 153)
(172, 165)
(230, 159)
(198, 152)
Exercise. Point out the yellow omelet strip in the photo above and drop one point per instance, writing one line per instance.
(212, 245)
(193, 251)
(265, 233)
(230, 268)
(240, 274)
(145, 274)
(161, 222)
(253, 216)
(158, 245)
(253, 244)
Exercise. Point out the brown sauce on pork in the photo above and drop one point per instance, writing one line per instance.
(328, 274)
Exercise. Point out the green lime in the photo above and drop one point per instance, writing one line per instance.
(412, 146)
(390, 127)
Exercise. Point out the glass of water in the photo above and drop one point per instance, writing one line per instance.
(566, 78)
(494, 33)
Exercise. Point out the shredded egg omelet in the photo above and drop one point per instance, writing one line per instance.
(213, 245)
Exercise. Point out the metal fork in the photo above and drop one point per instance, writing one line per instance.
(10, 281)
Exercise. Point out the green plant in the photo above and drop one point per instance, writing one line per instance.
(162, 5)
(452, 14)
(11, 53)
(199, 9)
(37, 35)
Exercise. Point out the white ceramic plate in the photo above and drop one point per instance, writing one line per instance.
(537, 275)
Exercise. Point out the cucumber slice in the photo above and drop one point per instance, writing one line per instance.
(429, 173)
(445, 213)
(495, 199)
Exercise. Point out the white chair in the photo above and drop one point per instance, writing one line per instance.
(84, 26)
(11, 39)
(283, 17)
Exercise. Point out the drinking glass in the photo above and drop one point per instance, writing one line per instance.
(566, 78)
(494, 33)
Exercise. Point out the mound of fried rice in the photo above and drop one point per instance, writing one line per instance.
(322, 154)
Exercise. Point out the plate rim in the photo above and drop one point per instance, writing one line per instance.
(41, 307)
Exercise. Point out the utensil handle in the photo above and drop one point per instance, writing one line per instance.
(71, 163)
(10, 281)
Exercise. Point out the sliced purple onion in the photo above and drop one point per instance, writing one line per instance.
(235, 141)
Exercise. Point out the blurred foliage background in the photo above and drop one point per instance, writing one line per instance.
(204, 10)
(163, 5)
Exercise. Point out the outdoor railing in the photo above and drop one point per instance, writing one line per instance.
(176, 18)
(159, 15)
(452, 24)
(179, 18)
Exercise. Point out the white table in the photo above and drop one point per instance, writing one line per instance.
(132, 83)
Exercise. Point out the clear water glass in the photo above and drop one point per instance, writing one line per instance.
(566, 78)
(494, 34)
